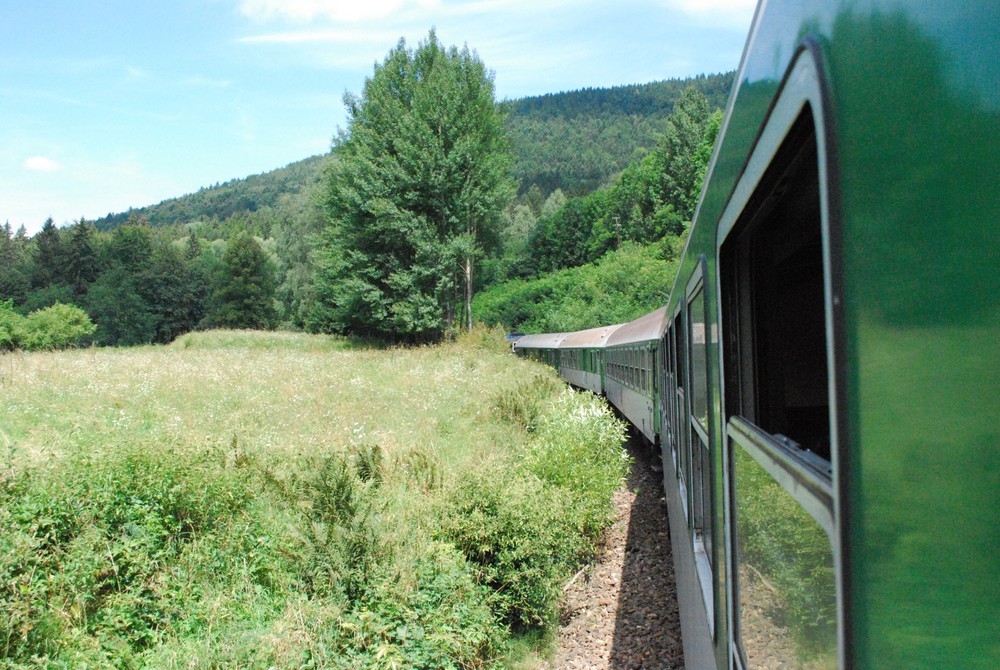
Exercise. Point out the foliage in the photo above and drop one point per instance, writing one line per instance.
(414, 196)
(652, 200)
(210, 510)
(522, 524)
(251, 194)
(622, 286)
(123, 317)
(578, 141)
(56, 327)
(244, 287)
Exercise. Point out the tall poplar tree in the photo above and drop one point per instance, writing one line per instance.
(414, 196)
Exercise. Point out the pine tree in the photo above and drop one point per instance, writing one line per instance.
(244, 287)
(81, 263)
(48, 257)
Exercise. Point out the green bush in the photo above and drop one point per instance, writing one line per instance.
(525, 404)
(9, 324)
(578, 446)
(56, 327)
(91, 548)
(621, 286)
(527, 525)
(520, 538)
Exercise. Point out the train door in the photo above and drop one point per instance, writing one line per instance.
(662, 372)
(700, 340)
(776, 326)
(680, 406)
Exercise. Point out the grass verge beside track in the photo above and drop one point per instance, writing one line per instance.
(274, 500)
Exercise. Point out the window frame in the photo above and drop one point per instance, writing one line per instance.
(805, 89)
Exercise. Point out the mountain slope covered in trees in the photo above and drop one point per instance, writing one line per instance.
(244, 253)
(573, 141)
(578, 141)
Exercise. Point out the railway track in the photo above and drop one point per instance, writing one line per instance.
(620, 613)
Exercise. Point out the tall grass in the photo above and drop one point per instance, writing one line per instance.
(275, 500)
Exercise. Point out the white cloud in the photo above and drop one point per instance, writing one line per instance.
(200, 80)
(738, 12)
(41, 164)
(337, 10)
(319, 36)
(705, 6)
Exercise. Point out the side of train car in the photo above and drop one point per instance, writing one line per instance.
(822, 384)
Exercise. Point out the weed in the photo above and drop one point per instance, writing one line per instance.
(256, 500)
(524, 404)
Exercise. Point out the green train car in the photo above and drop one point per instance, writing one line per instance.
(826, 372)
(581, 357)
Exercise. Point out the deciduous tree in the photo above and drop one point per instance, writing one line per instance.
(415, 195)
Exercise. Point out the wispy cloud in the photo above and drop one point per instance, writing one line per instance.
(133, 73)
(738, 12)
(307, 36)
(336, 10)
(208, 82)
(41, 164)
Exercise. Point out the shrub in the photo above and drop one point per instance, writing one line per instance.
(10, 323)
(527, 524)
(344, 547)
(56, 327)
(521, 539)
(91, 548)
(577, 445)
(524, 404)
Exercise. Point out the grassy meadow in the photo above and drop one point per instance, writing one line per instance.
(240, 499)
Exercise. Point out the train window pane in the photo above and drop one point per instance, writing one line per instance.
(699, 359)
(773, 297)
(786, 589)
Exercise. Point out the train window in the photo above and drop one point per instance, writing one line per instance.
(701, 462)
(778, 408)
(776, 328)
(680, 361)
(699, 359)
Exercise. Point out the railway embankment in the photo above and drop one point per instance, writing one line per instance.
(620, 612)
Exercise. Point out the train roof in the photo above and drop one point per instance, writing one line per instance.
(643, 329)
(588, 339)
(540, 341)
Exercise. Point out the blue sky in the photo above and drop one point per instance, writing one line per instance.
(108, 104)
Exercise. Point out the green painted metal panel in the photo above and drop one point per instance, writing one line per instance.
(915, 121)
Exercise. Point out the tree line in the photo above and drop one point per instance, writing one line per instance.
(390, 236)
(135, 284)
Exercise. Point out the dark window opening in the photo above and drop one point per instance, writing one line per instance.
(773, 297)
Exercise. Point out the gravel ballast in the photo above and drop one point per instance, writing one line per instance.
(620, 612)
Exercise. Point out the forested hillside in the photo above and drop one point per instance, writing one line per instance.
(244, 253)
(238, 196)
(578, 141)
(573, 141)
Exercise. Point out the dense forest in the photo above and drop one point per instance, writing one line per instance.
(578, 141)
(604, 179)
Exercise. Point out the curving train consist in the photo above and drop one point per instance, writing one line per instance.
(823, 383)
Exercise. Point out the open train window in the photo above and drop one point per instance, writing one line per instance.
(777, 404)
(773, 301)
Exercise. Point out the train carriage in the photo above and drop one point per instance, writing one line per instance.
(630, 357)
(822, 382)
(830, 356)
(581, 358)
(540, 347)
